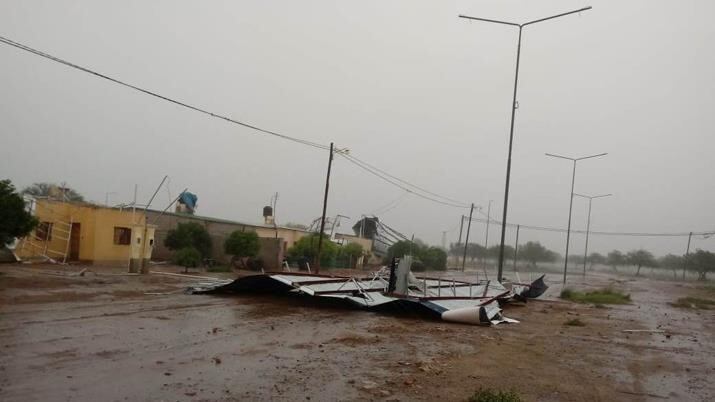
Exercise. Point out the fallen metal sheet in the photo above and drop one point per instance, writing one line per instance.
(450, 300)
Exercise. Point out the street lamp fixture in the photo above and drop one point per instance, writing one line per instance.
(513, 113)
(588, 225)
(573, 180)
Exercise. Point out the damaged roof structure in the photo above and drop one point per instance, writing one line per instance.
(392, 288)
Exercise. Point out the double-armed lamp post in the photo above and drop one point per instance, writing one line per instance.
(573, 181)
(513, 113)
(588, 225)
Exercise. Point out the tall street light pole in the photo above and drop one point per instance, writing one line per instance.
(466, 240)
(513, 113)
(573, 181)
(588, 225)
(486, 235)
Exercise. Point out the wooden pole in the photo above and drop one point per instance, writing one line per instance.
(325, 206)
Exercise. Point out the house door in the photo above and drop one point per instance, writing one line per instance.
(74, 242)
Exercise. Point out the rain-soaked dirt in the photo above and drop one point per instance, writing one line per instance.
(101, 337)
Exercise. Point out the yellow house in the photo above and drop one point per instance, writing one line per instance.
(72, 232)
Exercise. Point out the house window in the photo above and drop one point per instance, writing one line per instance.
(44, 231)
(122, 235)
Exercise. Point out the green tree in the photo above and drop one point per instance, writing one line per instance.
(53, 191)
(434, 258)
(307, 247)
(402, 248)
(242, 245)
(615, 258)
(425, 257)
(15, 220)
(493, 252)
(596, 258)
(352, 250)
(534, 252)
(672, 261)
(702, 262)
(187, 257)
(350, 253)
(641, 258)
(456, 249)
(189, 234)
(475, 251)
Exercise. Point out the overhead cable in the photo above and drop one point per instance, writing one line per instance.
(407, 186)
(596, 232)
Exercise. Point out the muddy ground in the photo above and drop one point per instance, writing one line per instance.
(106, 336)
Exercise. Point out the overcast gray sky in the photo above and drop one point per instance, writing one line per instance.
(405, 85)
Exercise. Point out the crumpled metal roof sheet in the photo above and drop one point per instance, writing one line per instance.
(451, 300)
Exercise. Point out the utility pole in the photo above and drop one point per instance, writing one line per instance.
(466, 240)
(444, 239)
(144, 268)
(514, 106)
(687, 253)
(325, 207)
(275, 224)
(461, 225)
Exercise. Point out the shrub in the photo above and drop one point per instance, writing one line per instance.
(219, 268)
(187, 257)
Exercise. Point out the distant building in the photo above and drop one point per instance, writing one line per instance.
(88, 233)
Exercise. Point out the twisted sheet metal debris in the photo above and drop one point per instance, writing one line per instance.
(391, 288)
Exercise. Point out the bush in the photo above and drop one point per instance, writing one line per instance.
(490, 395)
(187, 257)
(219, 268)
(189, 234)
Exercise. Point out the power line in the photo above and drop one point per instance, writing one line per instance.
(406, 182)
(390, 205)
(376, 173)
(394, 180)
(594, 232)
(156, 95)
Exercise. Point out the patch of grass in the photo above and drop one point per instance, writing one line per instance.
(598, 305)
(598, 297)
(490, 395)
(575, 322)
(694, 302)
(219, 268)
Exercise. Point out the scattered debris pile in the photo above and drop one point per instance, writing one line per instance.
(392, 288)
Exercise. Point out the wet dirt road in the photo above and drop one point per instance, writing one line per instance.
(92, 338)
